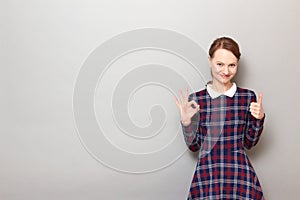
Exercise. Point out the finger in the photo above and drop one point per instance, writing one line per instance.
(254, 115)
(255, 109)
(253, 112)
(176, 102)
(257, 115)
(260, 98)
(194, 104)
(180, 96)
(186, 93)
(254, 105)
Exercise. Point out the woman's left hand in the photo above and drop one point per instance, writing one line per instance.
(256, 108)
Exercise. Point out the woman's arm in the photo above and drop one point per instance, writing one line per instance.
(191, 133)
(254, 126)
(189, 113)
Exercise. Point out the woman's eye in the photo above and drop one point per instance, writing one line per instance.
(219, 64)
(232, 65)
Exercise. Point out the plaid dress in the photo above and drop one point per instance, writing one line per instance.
(220, 131)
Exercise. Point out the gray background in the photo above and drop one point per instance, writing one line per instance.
(43, 46)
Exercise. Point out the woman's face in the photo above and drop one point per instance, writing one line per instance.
(223, 66)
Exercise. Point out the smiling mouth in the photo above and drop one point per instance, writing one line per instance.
(225, 76)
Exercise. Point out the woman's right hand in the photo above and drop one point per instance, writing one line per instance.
(187, 108)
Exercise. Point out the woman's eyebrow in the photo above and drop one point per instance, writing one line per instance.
(228, 64)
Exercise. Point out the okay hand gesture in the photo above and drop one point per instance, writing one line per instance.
(187, 108)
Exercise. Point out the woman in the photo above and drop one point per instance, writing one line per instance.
(221, 121)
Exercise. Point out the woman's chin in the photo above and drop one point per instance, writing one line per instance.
(225, 81)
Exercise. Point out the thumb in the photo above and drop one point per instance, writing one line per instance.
(260, 98)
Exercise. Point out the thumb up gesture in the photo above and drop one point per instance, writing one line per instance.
(256, 108)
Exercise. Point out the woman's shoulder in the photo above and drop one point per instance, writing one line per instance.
(245, 92)
(201, 94)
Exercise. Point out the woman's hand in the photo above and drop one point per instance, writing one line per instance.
(256, 108)
(187, 108)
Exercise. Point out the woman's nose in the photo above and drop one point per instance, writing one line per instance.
(226, 70)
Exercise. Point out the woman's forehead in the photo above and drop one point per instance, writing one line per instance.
(224, 56)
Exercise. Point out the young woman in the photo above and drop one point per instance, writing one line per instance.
(221, 121)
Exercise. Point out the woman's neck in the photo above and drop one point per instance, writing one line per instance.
(221, 88)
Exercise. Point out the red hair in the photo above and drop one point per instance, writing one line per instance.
(225, 43)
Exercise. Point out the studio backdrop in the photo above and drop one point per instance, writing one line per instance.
(87, 94)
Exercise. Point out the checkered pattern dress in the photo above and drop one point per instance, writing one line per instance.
(220, 131)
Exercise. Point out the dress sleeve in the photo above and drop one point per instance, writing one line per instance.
(191, 132)
(254, 127)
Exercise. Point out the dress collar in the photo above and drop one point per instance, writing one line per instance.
(214, 94)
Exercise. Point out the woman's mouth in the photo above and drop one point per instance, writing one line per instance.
(225, 76)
